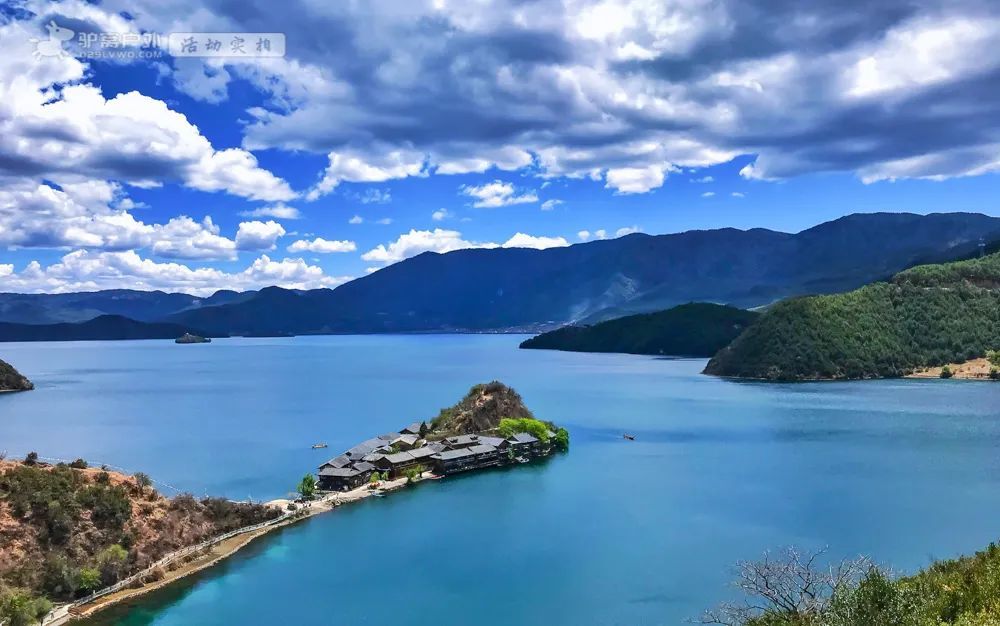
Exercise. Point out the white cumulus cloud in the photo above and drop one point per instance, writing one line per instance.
(497, 194)
(322, 246)
(521, 240)
(257, 235)
(280, 211)
(82, 270)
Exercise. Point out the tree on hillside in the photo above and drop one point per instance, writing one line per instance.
(307, 487)
(18, 608)
(423, 430)
(142, 480)
(993, 356)
(112, 562)
(31, 459)
(88, 579)
(561, 440)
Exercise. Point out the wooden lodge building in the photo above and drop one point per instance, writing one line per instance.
(395, 453)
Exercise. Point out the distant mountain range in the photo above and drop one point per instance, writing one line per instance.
(102, 327)
(144, 306)
(698, 329)
(514, 289)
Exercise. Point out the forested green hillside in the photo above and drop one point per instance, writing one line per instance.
(926, 316)
(696, 329)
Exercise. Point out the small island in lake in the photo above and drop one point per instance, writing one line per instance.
(696, 329)
(189, 338)
(490, 427)
(13, 380)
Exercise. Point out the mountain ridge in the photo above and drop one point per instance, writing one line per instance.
(489, 290)
(527, 290)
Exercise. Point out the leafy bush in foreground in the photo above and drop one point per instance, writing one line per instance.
(792, 590)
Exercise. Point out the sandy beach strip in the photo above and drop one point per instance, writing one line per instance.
(973, 369)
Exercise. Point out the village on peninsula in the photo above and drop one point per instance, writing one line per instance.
(119, 557)
(490, 427)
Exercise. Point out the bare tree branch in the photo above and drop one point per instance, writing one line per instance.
(788, 584)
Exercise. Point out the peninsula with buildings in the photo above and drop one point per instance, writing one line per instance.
(490, 427)
(83, 539)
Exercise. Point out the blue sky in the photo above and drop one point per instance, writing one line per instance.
(389, 129)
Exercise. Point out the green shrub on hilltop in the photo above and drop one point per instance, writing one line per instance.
(510, 426)
(926, 316)
(109, 506)
(561, 440)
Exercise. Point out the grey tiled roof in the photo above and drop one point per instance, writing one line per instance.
(365, 447)
(523, 438)
(423, 452)
(482, 449)
(461, 440)
(399, 457)
(491, 441)
(447, 455)
(339, 472)
(337, 461)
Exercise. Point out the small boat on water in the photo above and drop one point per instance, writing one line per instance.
(318, 446)
(629, 437)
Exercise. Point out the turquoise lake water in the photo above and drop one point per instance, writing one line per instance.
(615, 532)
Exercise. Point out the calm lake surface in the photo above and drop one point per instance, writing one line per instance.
(615, 532)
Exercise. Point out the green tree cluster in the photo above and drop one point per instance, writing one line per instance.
(924, 317)
(20, 608)
(413, 473)
(561, 440)
(307, 487)
(510, 426)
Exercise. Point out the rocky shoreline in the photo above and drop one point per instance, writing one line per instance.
(13, 380)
